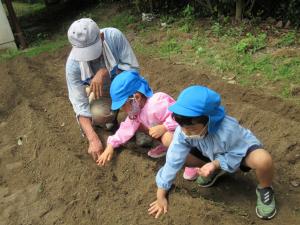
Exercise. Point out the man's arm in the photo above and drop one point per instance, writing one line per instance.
(95, 145)
(79, 100)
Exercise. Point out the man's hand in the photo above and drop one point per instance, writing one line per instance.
(106, 156)
(97, 82)
(160, 205)
(95, 148)
(208, 169)
(157, 131)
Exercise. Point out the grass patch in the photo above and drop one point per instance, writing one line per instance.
(26, 9)
(287, 39)
(169, 47)
(43, 46)
(226, 55)
(120, 21)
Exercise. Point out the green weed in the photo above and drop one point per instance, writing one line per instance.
(169, 47)
(286, 92)
(217, 29)
(45, 46)
(251, 43)
(188, 18)
(287, 39)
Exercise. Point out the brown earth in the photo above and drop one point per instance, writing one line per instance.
(47, 177)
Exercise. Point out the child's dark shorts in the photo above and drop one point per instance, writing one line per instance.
(195, 152)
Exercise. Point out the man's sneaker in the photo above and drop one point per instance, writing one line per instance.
(265, 205)
(158, 151)
(190, 173)
(210, 180)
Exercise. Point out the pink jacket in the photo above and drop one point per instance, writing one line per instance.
(155, 112)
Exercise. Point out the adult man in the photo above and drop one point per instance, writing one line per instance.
(96, 58)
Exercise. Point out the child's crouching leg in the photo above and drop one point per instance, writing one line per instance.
(261, 161)
(166, 138)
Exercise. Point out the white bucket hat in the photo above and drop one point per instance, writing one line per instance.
(84, 35)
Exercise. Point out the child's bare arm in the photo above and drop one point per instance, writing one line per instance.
(160, 205)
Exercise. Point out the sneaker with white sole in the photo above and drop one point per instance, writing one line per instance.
(190, 173)
(265, 205)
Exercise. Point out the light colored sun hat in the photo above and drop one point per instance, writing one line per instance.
(84, 35)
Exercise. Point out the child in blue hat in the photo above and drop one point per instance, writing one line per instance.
(146, 111)
(214, 143)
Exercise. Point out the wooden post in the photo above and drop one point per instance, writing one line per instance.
(15, 23)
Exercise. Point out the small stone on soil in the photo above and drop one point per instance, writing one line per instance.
(295, 183)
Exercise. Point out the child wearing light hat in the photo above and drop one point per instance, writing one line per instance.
(213, 143)
(145, 110)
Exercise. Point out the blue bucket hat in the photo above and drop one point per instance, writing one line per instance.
(197, 101)
(125, 85)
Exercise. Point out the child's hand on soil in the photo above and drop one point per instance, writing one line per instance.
(105, 156)
(207, 169)
(158, 207)
(95, 148)
(157, 131)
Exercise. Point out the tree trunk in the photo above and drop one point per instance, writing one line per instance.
(239, 10)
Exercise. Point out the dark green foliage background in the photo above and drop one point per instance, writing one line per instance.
(279, 9)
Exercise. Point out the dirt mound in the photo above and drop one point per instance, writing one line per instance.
(46, 176)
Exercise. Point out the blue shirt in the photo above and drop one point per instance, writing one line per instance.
(228, 145)
(123, 55)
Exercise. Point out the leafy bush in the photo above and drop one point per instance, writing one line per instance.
(251, 43)
(281, 10)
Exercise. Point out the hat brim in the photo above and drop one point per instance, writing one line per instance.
(88, 53)
(180, 110)
(118, 104)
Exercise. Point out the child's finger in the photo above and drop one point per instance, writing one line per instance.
(165, 209)
(99, 162)
(153, 203)
(152, 210)
(104, 161)
(152, 207)
(158, 213)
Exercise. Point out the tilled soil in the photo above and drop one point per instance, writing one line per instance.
(47, 177)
